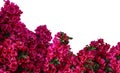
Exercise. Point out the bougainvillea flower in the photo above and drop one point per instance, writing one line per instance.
(25, 51)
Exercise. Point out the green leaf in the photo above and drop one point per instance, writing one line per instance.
(6, 34)
(118, 57)
(55, 61)
(91, 48)
(96, 66)
(108, 69)
(72, 67)
(22, 54)
(70, 38)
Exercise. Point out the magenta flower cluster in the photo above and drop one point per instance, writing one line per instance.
(24, 51)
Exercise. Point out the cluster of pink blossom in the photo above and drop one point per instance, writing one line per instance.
(24, 51)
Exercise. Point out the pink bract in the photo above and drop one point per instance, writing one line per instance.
(25, 51)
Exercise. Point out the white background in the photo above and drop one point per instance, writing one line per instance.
(84, 20)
